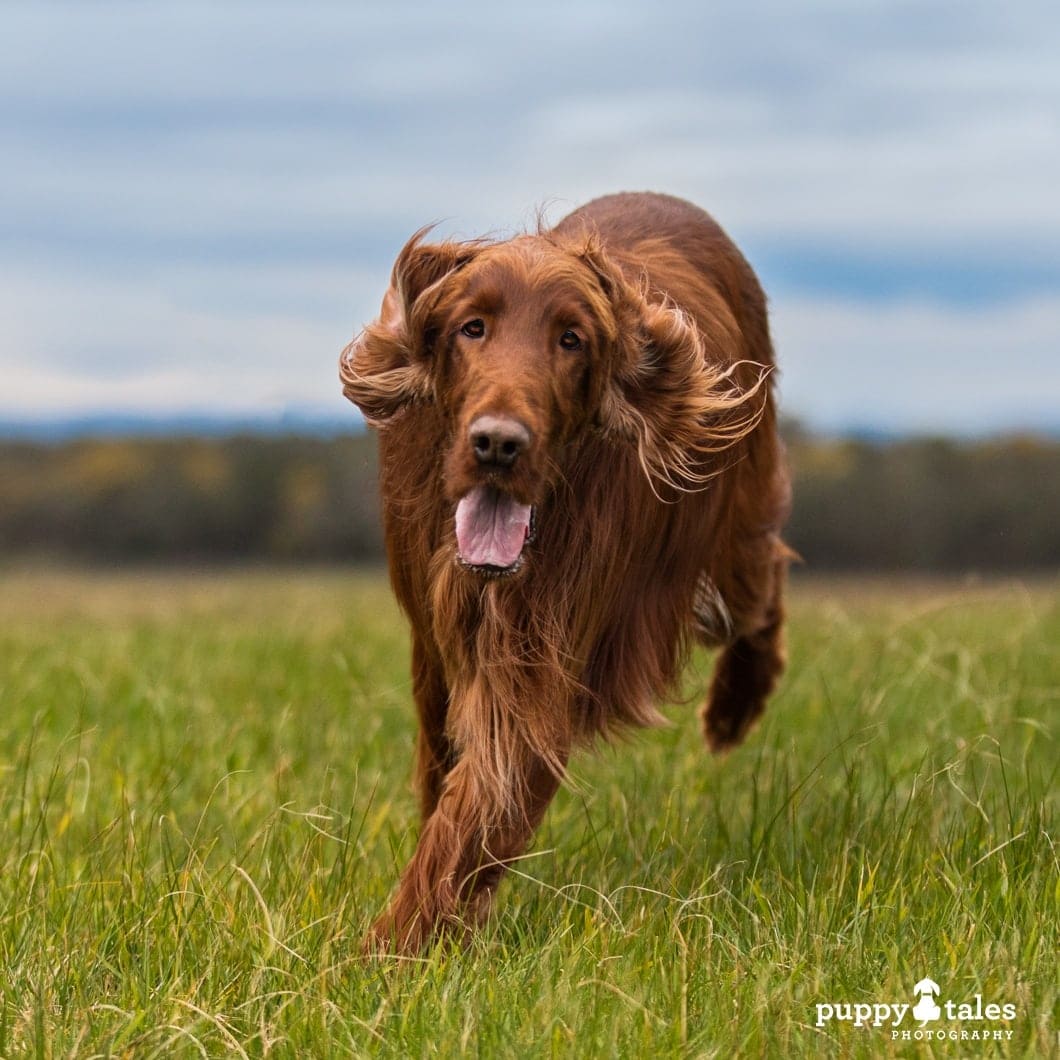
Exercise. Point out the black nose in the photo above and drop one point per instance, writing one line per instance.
(498, 440)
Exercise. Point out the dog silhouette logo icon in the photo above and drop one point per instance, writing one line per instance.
(925, 1009)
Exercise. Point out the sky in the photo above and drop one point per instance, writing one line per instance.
(200, 203)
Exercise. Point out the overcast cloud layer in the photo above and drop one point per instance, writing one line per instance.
(202, 202)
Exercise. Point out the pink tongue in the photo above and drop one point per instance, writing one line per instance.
(491, 528)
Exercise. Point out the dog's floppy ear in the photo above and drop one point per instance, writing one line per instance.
(675, 389)
(387, 366)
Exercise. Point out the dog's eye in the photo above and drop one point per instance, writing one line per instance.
(474, 329)
(570, 341)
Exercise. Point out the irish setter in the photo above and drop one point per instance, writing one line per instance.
(581, 477)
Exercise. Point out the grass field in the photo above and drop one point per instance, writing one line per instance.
(204, 797)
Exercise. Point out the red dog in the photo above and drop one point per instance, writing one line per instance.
(580, 477)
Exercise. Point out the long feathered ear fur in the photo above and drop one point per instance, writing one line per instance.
(678, 390)
(388, 365)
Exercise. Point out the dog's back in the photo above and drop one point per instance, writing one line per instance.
(629, 220)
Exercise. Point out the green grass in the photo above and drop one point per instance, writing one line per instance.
(204, 798)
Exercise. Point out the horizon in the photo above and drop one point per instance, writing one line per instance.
(205, 424)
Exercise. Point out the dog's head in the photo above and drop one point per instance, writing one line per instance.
(525, 345)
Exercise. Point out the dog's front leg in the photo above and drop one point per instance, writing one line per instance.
(435, 754)
(463, 851)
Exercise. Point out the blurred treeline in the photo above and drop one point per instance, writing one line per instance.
(917, 504)
(143, 499)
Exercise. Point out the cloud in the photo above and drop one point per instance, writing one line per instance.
(919, 367)
(204, 342)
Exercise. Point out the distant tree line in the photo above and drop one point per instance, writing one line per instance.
(927, 504)
(917, 504)
(146, 499)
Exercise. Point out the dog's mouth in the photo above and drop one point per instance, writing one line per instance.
(492, 531)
